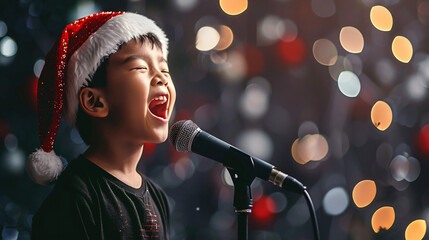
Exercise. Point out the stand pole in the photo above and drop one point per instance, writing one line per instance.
(243, 204)
(243, 225)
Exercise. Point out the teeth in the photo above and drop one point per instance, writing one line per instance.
(161, 98)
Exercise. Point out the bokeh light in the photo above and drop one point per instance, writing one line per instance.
(3, 29)
(414, 169)
(325, 52)
(185, 5)
(381, 115)
(402, 49)
(235, 67)
(364, 193)
(254, 101)
(323, 8)
(381, 18)
(233, 7)
(207, 38)
(226, 38)
(335, 201)
(424, 140)
(292, 52)
(263, 209)
(226, 178)
(416, 87)
(399, 167)
(257, 143)
(8, 47)
(383, 218)
(270, 29)
(351, 39)
(349, 84)
(313, 147)
(296, 154)
(416, 230)
(38, 67)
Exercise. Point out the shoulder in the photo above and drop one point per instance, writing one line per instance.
(69, 201)
(72, 187)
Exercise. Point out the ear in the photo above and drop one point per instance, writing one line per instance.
(93, 102)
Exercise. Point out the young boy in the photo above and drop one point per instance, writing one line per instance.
(110, 70)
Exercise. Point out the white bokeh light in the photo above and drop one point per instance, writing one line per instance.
(349, 84)
(207, 38)
(254, 101)
(38, 67)
(335, 201)
(257, 143)
(8, 47)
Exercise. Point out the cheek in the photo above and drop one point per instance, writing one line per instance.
(172, 91)
(130, 96)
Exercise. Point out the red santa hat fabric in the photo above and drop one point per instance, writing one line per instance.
(74, 57)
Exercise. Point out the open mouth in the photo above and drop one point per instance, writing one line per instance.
(158, 107)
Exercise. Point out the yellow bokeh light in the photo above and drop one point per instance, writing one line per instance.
(233, 7)
(364, 193)
(207, 38)
(312, 147)
(325, 52)
(295, 153)
(351, 39)
(381, 115)
(416, 230)
(402, 49)
(383, 218)
(381, 18)
(226, 37)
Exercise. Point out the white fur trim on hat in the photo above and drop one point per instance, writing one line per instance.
(44, 167)
(85, 61)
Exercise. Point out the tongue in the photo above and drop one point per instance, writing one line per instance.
(158, 110)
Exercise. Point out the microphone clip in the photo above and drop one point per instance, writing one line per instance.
(242, 174)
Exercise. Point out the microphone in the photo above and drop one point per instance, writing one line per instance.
(186, 136)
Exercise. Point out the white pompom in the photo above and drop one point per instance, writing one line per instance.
(44, 167)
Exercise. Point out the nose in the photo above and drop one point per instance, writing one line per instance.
(160, 79)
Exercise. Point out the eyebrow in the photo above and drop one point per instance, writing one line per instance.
(143, 57)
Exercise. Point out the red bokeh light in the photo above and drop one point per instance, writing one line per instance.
(292, 52)
(424, 140)
(262, 212)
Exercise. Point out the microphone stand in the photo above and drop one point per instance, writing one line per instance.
(242, 176)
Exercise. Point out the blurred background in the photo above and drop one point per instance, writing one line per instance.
(332, 92)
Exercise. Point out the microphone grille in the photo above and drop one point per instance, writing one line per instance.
(182, 134)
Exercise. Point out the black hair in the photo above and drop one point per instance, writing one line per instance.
(99, 80)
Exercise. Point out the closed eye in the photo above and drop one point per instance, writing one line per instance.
(139, 68)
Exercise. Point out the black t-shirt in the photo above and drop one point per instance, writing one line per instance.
(89, 203)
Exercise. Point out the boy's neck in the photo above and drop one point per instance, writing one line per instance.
(117, 158)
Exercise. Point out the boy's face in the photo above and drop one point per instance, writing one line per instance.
(140, 93)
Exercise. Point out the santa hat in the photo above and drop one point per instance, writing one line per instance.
(74, 57)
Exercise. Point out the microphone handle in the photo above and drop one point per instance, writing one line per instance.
(231, 157)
